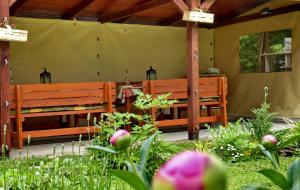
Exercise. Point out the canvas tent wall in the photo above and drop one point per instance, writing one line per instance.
(76, 51)
(246, 90)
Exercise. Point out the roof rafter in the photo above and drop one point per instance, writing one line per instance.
(133, 10)
(77, 9)
(15, 6)
(278, 11)
(180, 5)
(207, 4)
(171, 20)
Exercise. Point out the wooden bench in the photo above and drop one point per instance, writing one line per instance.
(38, 100)
(212, 91)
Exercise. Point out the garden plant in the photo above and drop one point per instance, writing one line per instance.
(141, 159)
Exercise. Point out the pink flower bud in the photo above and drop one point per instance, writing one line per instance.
(191, 171)
(120, 139)
(269, 141)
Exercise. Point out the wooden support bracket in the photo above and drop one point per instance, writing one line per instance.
(180, 5)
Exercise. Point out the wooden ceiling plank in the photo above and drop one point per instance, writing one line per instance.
(77, 9)
(171, 20)
(16, 6)
(207, 4)
(180, 5)
(278, 11)
(133, 10)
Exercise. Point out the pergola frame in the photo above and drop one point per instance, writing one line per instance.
(4, 80)
(192, 47)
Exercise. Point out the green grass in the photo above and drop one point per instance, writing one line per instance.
(91, 171)
(245, 173)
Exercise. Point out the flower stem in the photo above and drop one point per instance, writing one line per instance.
(131, 162)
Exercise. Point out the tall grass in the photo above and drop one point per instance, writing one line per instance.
(60, 172)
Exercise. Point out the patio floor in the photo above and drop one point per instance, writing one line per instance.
(47, 149)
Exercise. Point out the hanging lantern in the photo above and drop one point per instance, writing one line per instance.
(151, 74)
(45, 77)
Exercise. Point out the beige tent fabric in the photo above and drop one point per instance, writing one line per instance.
(71, 52)
(246, 90)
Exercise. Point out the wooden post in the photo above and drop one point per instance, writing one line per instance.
(193, 75)
(4, 79)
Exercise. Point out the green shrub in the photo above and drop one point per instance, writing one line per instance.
(234, 142)
(143, 126)
(262, 122)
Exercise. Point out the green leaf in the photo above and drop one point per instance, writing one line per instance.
(291, 140)
(276, 177)
(145, 149)
(130, 178)
(272, 157)
(293, 174)
(255, 187)
(103, 149)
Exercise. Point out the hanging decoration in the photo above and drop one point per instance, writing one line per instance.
(7, 33)
(198, 15)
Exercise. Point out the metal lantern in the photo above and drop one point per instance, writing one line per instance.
(45, 77)
(151, 74)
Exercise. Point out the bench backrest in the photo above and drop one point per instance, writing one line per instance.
(62, 94)
(208, 87)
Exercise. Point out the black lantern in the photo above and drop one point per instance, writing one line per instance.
(45, 77)
(151, 74)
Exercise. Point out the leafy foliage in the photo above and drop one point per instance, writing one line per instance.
(234, 142)
(262, 122)
(268, 42)
(290, 181)
(249, 48)
(143, 126)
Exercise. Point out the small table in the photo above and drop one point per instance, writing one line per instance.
(127, 93)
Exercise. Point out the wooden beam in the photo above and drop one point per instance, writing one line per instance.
(170, 21)
(122, 20)
(11, 2)
(193, 75)
(207, 4)
(133, 10)
(278, 11)
(77, 9)
(180, 5)
(16, 6)
(4, 80)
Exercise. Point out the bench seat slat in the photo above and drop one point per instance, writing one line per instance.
(212, 93)
(62, 102)
(37, 100)
(63, 94)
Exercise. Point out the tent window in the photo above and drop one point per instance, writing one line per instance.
(266, 52)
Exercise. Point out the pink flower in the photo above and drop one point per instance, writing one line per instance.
(191, 171)
(269, 141)
(120, 139)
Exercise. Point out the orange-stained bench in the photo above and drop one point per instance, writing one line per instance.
(212, 91)
(38, 100)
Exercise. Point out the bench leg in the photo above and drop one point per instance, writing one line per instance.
(20, 133)
(209, 113)
(224, 115)
(153, 114)
(12, 130)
